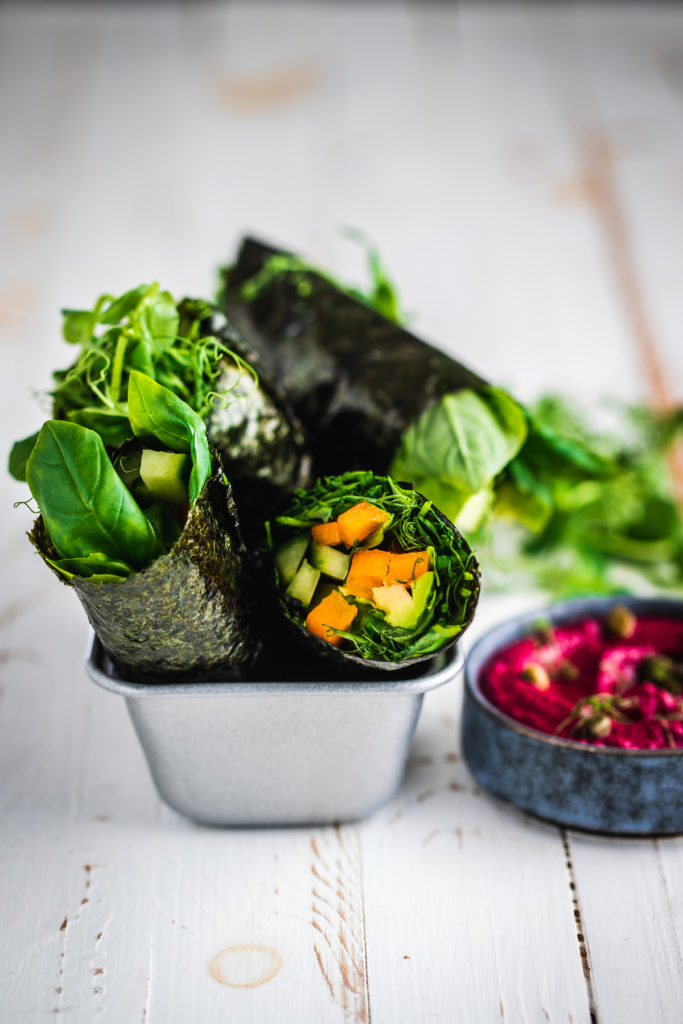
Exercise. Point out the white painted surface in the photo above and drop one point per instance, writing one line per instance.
(140, 142)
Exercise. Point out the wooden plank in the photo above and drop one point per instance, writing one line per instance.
(607, 83)
(632, 927)
(448, 135)
(487, 932)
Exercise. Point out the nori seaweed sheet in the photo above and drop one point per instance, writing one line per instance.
(306, 656)
(261, 444)
(355, 379)
(257, 434)
(188, 615)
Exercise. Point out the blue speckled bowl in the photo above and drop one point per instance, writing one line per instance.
(603, 789)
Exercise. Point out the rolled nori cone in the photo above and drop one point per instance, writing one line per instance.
(260, 442)
(356, 380)
(188, 615)
(254, 429)
(367, 651)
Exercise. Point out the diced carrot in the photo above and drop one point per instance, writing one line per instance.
(360, 521)
(375, 568)
(368, 569)
(406, 567)
(326, 533)
(333, 612)
(359, 584)
(375, 562)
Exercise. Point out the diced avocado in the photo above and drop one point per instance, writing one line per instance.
(396, 603)
(163, 474)
(330, 561)
(421, 591)
(304, 583)
(401, 608)
(289, 557)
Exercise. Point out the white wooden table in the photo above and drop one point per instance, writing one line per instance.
(522, 171)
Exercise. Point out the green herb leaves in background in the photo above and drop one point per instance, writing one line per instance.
(599, 507)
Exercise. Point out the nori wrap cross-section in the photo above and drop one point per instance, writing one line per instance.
(148, 537)
(369, 576)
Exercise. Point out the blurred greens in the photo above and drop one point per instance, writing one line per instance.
(560, 523)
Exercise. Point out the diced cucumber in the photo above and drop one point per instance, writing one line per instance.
(304, 583)
(163, 474)
(289, 557)
(330, 561)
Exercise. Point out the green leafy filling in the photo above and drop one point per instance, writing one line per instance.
(415, 526)
(142, 330)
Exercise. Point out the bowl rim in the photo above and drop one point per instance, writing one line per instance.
(516, 627)
(102, 672)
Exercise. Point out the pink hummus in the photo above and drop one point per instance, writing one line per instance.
(544, 682)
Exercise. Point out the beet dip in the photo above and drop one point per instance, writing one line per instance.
(613, 682)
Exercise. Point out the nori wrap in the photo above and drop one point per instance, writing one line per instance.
(147, 534)
(372, 395)
(355, 379)
(369, 577)
(187, 616)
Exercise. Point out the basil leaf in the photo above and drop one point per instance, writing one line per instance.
(78, 326)
(19, 456)
(156, 412)
(160, 320)
(463, 440)
(95, 567)
(124, 305)
(112, 425)
(85, 505)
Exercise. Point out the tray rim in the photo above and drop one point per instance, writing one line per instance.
(95, 659)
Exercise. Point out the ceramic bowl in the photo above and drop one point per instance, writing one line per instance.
(603, 789)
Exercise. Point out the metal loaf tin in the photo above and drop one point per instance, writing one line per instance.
(601, 789)
(284, 753)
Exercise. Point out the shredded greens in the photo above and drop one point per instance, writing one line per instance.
(145, 330)
(415, 525)
(595, 510)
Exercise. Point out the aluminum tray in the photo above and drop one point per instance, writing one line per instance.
(282, 753)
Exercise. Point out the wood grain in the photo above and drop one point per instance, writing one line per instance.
(338, 920)
(519, 167)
